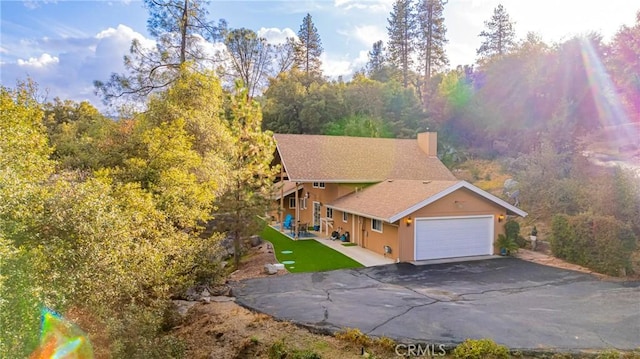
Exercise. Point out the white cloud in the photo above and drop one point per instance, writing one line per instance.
(67, 67)
(370, 5)
(42, 61)
(334, 67)
(275, 35)
(368, 34)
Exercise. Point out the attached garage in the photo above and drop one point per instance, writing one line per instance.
(448, 237)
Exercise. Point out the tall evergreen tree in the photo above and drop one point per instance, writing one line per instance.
(499, 35)
(377, 59)
(308, 48)
(401, 30)
(432, 36)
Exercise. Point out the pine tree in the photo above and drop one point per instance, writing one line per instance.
(499, 34)
(308, 48)
(401, 30)
(377, 58)
(432, 36)
(178, 27)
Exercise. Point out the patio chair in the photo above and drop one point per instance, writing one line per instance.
(287, 221)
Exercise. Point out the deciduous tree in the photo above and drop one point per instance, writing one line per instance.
(251, 59)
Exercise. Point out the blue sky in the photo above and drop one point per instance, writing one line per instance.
(66, 45)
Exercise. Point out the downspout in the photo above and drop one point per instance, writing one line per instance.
(281, 211)
(297, 219)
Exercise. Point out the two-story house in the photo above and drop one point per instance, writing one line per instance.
(393, 196)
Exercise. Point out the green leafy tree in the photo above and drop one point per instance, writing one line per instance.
(178, 27)
(308, 49)
(358, 126)
(181, 142)
(402, 35)
(251, 175)
(81, 136)
(284, 103)
(90, 247)
(24, 169)
(364, 96)
(499, 35)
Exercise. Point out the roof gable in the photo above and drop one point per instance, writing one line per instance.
(391, 200)
(343, 159)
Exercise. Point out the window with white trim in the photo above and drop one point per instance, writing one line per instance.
(318, 184)
(292, 202)
(329, 212)
(345, 217)
(303, 203)
(376, 225)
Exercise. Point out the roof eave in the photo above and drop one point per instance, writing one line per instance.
(361, 214)
(455, 187)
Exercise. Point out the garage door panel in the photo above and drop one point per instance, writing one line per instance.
(453, 237)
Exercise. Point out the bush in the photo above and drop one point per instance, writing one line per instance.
(279, 350)
(507, 243)
(480, 349)
(601, 243)
(355, 336)
(512, 231)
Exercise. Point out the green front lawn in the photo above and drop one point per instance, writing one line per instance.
(308, 254)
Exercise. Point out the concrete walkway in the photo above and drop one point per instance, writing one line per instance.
(362, 255)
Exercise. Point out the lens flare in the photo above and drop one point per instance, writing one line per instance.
(61, 339)
(604, 93)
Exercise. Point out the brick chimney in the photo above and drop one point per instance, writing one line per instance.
(428, 143)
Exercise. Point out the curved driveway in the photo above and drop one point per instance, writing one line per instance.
(519, 304)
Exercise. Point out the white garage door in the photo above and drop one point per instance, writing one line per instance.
(453, 237)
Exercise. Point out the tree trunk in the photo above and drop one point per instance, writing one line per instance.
(183, 34)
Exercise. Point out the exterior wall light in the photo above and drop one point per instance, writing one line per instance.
(409, 220)
(500, 217)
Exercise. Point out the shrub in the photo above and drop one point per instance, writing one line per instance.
(507, 243)
(512, 231)
(279, 350)
(601, 243)
(609, 354)
(355, 336)
(480, 349)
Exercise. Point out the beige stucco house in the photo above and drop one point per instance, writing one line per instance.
(393, 196)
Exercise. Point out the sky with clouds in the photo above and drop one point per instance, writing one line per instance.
(66, 45)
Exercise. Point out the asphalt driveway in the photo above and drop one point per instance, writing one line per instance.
(517, 303)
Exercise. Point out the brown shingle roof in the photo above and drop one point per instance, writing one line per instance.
(356, 159)
(386, 199)
(392, 199)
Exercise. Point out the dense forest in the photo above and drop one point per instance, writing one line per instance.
(104, 220)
